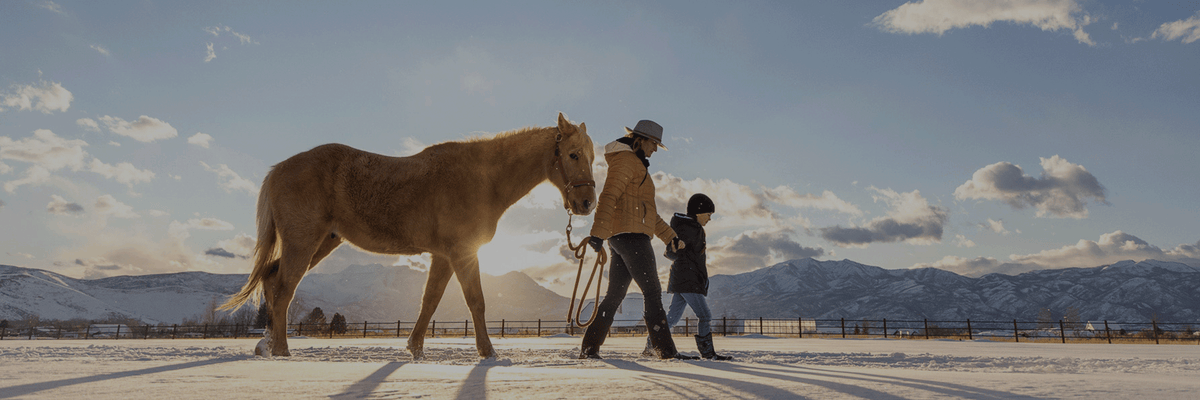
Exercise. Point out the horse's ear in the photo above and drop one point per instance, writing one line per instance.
(565, 126)
(583, 127)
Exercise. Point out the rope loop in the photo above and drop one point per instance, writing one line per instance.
(580, 250)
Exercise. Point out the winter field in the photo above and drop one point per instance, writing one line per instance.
(545, 368)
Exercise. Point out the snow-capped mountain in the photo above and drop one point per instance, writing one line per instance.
(373, 292)
(1125, 291)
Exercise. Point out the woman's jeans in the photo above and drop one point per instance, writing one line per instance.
(699, 305)
(632, 260)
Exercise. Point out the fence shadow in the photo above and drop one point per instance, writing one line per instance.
(942, 388)
(30, 388)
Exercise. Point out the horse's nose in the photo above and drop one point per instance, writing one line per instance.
(587, 204)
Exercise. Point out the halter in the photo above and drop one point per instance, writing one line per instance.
(558, 164)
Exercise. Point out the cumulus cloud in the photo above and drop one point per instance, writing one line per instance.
(123, 172)
(45, 149)
(107, 205)
(962, 241)
(143, 129)
(1186, 30)
(241, 246)
(88, 124)
(211, 54)
(231, 181)
(995, 226)
(740, 205)
(756, 249)
(939, 16)
(1063, 190)
(910, 219)
(4, 168)
(46, 97)
(200, 139)
(35, 175)
(60, 206)
(1110, 248)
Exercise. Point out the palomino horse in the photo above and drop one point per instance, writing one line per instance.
(445, 200)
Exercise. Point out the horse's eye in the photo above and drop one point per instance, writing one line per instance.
(574, 156)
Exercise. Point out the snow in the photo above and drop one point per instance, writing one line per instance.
(546, 368)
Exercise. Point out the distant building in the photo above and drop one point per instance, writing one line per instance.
(109, 330)
(629, 313)
(1099, 326)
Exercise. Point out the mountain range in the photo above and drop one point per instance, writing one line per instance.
(1124, 291)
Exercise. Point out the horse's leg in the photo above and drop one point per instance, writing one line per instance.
(439, 276)
(330, 243)
(467, 270)
(281, 288)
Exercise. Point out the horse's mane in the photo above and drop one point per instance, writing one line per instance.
(502, 135)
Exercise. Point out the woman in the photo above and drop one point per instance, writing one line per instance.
(626, 216)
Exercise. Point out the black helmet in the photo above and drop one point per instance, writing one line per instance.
(700, 204)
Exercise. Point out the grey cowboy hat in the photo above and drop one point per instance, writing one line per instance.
(648, 129)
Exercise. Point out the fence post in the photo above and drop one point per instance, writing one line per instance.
(724, 326)
(118, 335)
(1107, 333)
(205, 331)
(57, 333)
(970, 336)
(686, 323)
(466, 328)
(1154, 326)
(760, 326)
(3, 331)
(800, 327)
(331, 330)
(885, 328)
(843, 328)
(502, 328)
(397, 328)
(539, 331)
(433, 329)
(144, 336)
(926, 328)
(1062, 332)
(174, 329)
(299, 329)
(31, 328)
(88, 332)
(1016, 335)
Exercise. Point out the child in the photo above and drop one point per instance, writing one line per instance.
(689, 271)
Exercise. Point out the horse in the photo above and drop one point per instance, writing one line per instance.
(445, 201)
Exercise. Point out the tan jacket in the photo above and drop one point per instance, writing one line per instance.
(626, 204)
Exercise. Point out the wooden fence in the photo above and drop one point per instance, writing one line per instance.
(1014, 330)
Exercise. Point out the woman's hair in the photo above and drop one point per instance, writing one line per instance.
(637, 140)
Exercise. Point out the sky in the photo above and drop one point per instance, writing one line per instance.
(976, 137)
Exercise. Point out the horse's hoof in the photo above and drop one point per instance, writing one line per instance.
(417, 353)
(488, 355)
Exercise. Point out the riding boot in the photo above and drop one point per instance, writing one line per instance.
(705, 345)
(594, 336)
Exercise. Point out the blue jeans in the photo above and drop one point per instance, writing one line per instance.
(699, 305)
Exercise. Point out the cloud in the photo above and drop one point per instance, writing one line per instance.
(35, 175)
(219, 252)
(411, 146)
(4, 168)
(1063, 190)
(1188, 30)
(107, 205)
(1, 204)
(47, 98)
(756, 249)
(200, 139)
(103, 51)
(88, 124)
(211, 54)
(826, 201)
(241, 245)
(995, 226)
(231, 181)
(910, 219)
(939, 16)
(45, 149)
(52, 6)
(180, 229)
(217, 30)
(157, 213)
(124, 172)
(60, 206)
(962, 241)
(737, 205)
(1110, 248)
(144, 129)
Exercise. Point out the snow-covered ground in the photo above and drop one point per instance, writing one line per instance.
(536, 368)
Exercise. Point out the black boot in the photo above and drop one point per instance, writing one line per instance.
(664, 346)
(705, 345)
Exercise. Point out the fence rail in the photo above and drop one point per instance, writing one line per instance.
(1014, 330)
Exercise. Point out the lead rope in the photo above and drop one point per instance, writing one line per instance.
(601, 258)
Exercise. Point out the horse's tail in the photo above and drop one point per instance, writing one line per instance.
(266, 253)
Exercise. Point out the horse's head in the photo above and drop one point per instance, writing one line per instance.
(572, 167)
